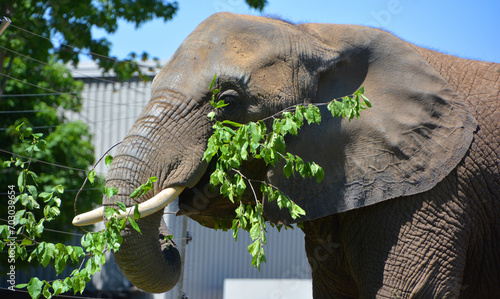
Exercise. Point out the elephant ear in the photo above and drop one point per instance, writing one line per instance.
(415, 134)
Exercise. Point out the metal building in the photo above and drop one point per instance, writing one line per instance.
(213, 260)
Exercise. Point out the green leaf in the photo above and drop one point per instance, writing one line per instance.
(110, 192)
(39, 228)
(297, 211)
(219, 104)
(35, 287)
(253, 248)
(137, 214)
(240, 185)
(213, 82)
(214, 178)
(37, 135)
(17, 217)
(313, 114)
(109, 212)
(360, 91)
(26, 242)
(136, 193)
(75, 253)
(18, 128)
(255, 231)
(47, 254)
(91, 176)
(32, 190)
(288, 168)
(144, 188)
(21, 180)
(33, 176)
(108, 160)
(134, 225)
(121, 205)
(366, 101)
(4, 232)
(59, 189)
(45, 292)
(232, 123)
(58, 287)
(46, 196)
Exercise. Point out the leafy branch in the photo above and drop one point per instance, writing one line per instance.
(25, 230)
(233, 143)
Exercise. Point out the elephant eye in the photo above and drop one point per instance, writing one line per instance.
(229, 96)
(234, 109)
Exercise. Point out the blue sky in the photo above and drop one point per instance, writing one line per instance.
(469, 29)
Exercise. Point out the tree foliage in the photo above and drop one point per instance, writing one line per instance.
(30, 210)
(69, 150)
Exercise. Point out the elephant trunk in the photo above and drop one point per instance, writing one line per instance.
(155, 146)
(150, 262)
(148, 259)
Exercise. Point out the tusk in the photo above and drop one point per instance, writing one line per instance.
(150, 206)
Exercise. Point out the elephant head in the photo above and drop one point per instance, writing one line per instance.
(415, 134)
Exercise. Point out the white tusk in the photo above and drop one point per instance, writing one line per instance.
(150, 206)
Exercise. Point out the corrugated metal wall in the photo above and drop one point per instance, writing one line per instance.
(213, 256)
(110, 109)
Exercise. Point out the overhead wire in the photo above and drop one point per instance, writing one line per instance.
(37, 86)
(54, 92)
(73, 71)
(28, 95)
(44, 162)
(73, 109)
(52, 230)
(78, 50)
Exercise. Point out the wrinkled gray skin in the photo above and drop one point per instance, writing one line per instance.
(410, 201)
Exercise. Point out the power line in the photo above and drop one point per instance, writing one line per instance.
(52, 90)
(55, 92)
(53, 230)
(66, 190)
(44, 162)
(34, 85)
(88, 53)
(32, 95)
(26, 111)
(76, 72)
(65, 93)
(39, 127)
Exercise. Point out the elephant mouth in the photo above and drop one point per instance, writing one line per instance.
(204, 204)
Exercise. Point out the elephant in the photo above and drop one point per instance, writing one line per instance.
(410, 199)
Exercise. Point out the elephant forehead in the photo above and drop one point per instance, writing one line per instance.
(247, 43)
(239, 40)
